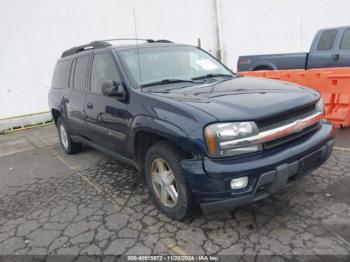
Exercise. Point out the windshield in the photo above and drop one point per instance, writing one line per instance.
(169, 64)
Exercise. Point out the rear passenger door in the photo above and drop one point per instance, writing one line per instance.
(106, 117)
(74, 97)
(341, 55)
(321, 55)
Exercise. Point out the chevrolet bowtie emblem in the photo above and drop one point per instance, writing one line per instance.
(299, 126)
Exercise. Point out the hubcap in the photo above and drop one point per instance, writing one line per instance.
(164, 183)
(63, 136)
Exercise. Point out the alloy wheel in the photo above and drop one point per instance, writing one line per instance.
(63, 136)
(164, 183)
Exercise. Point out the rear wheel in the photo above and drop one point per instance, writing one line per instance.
(166, 181)
(68, 145)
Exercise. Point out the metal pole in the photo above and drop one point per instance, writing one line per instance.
(220, 50)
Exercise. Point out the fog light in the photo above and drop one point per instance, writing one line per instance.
(239, 183)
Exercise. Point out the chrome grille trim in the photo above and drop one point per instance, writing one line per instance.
(295, 127)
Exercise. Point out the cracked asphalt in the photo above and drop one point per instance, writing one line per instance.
(90, 204)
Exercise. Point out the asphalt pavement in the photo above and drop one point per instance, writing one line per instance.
(90, 204)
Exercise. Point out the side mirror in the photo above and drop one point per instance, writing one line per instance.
(112, 88)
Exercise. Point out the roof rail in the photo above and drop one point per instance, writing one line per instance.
(104, 43)
(158, 41)
(122, 39)
(138, 39)
(92, 45)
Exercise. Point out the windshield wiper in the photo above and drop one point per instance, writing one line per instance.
(210, 75)
(167, 81)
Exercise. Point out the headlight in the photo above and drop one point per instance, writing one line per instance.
(228, 139)
(320, 105)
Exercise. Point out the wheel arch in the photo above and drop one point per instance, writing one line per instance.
(55, 115)
(145, 135)
(264, 66)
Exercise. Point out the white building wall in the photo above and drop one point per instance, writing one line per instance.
(276, 26)
(34, 33)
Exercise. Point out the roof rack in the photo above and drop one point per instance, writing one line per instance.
(139, 39)
(158, 41)
(92, 45)
(104, 43)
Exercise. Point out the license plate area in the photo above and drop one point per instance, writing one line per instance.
(310, 162)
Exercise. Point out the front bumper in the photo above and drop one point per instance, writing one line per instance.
(268, 172)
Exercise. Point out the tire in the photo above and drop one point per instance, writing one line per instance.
(171, 157)
(68, 145)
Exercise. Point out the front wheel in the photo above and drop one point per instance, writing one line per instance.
(166, 181)
(68, 145)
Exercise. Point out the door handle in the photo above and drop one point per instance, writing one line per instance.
(89, 105)
(65, 99)
(336, 57)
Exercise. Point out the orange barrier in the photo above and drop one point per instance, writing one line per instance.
(332, 83)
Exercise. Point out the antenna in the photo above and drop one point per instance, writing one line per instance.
(137, 48)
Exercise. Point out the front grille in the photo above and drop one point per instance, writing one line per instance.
(291, 137)
(286, 118)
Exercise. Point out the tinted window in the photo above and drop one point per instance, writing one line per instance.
(61, 74)
(103, 68)
(326, 40)
(71, 75)
(345, 42)
(80, 73)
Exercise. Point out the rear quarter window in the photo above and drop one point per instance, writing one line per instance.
(61, 74)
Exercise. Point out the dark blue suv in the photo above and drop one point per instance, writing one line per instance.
(199, 133)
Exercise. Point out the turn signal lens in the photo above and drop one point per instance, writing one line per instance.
(211, 140)
(320, 105)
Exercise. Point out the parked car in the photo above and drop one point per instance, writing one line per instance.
(199, 133)
(330, 48)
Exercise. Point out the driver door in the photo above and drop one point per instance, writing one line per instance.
(106, 117)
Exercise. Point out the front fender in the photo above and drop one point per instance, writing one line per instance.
(163, 128)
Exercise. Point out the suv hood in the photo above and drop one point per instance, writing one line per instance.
(244, 98)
